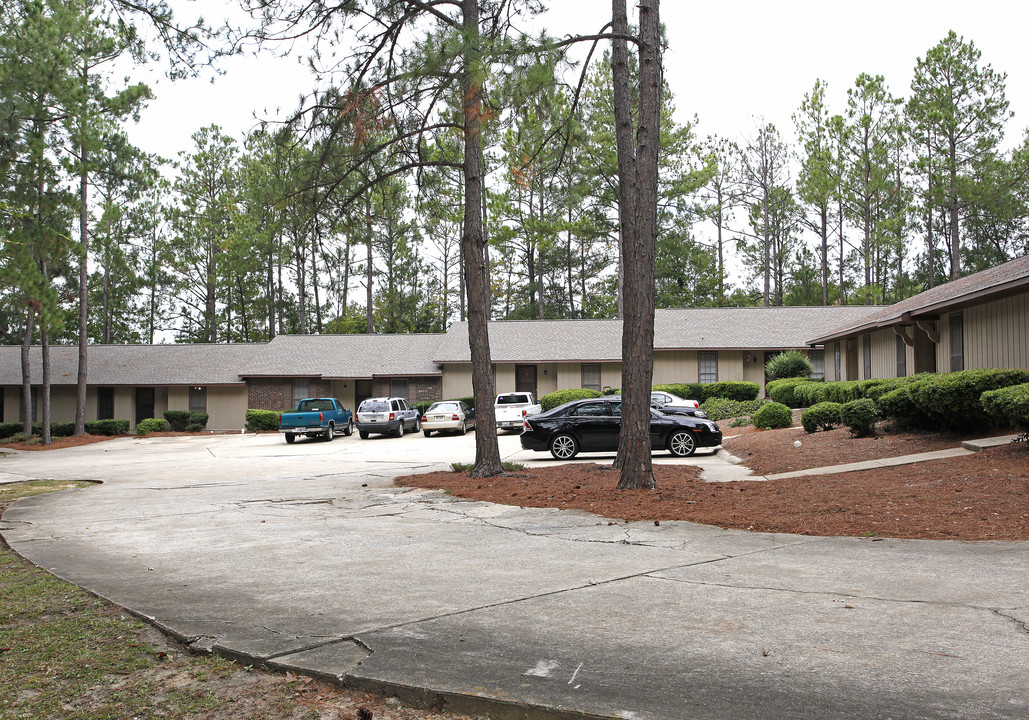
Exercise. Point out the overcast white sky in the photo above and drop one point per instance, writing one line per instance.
(730, 63)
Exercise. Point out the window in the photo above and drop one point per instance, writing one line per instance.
(817, 364)
(398, 387)
(837, 361)
(902, 357)
(866, 351)
(301, 390)
(198, 400)
(708, 366)
(593, 410)
(591, 377)
(105, 403)
(957, 342)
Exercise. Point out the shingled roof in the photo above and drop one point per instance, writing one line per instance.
(187, 364)
(536, 341)
(345, 356)
(996, 281)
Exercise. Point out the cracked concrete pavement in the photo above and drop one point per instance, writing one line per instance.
(308, 557)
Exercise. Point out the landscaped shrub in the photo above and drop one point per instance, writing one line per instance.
(107, 427)
(257, 420)
(422, 406)
(560, 397)
(952, 400)
(1008, 406)
(729, 390)
(783, 391)
(789, 364)
(843, 391)
(773, 415)
(689, 391)
(62, 429)
(196, 418)
(145, 427)
(613, 391)
(860, 416)
(177, 419)
(824, 415)
(9, 430)
(811, 393)
(721, 408)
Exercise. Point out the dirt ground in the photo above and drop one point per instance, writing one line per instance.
(983, 496)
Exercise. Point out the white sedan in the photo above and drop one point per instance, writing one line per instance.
(448, 415)
(675, 405)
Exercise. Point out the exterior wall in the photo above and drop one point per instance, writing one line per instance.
(884, 354)
(344, 391)
(546, 379)
(506, 378)
(275, 393)
(457, 381)
(754, 370)
(569, 376)
(730, 365)
(419, 389)
(996, 334)
(676, 366)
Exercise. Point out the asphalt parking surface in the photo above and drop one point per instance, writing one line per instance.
(306, 556)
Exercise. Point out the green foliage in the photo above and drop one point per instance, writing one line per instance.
(860, 416)
(789, 364)
(107, 427)
(1008, 406)
(811, 393)
(773, 415)
(729, 390)
(467, 467)
(689, 391)
(824, 415)
(900, 408)
(177, 419)
(10, 429)
(723, 408)
(844, 392)
(258, 420)
(150, 425)
(951, 401)
(784, 391)
(560, 397)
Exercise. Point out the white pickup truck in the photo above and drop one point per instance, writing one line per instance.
(511, 408)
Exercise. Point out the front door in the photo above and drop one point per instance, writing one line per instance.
(525, 379)
(144, 404)
(362, 391)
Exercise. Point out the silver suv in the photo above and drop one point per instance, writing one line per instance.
(387, 416)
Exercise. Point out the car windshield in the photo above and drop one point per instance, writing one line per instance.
(314, 406)
(443, 407)
(373, 406)
(510, 399)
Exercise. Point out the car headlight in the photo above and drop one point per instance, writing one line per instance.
(700, 414)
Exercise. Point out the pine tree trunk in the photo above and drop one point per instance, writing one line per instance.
(473, 246)
(80, 379)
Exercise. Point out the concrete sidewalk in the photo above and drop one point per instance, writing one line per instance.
(308, 557)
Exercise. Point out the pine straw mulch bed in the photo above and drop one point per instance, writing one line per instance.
(982, 496)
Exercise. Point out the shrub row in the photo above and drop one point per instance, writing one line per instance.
(560, 397)
(149, 425)
(773, 415)
(59, 429)
(184, 420)
(722, 409)
(1009, 405)
(701, 392)
(257, 420)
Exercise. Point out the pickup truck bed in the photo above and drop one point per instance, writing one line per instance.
(317, 417)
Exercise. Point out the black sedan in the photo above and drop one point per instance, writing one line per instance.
(593, 425)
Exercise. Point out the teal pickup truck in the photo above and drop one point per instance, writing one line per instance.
(317, 417)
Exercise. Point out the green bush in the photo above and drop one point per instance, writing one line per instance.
(1008, 406)
(62, 429)
(560, 397)
(812, 393)
(951, 401)
(613, 391)
(860, 416)
(257, 420)
(107, 427)
(194, 427)
(824, 415)
(722, 409)
(177, 419)
(729, 390)
(689, 391)
(9, 430)
(844, 391)
(784, 391)
(789, 364)
(422, 406)
(773, 415)
(145, 427)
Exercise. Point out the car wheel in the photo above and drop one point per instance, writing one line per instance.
(399, 431)
(349, 429)
(330, 432)
(426, 433)
(681, 443)
(290, 439)
(464, 428)
(564, 447)
(417, 424)
(363, 434)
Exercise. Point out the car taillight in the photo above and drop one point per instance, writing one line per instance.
(526, 426)
(524, 412)
(392, 416)
(321, 417)
(455, 418)
(425, 418)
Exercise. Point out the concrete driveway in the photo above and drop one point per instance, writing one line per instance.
(306, 556)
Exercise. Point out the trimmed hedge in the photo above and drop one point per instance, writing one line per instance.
(784, 391)
(722, 409)
(729, 390)
(1008, 406)
(689, 391)
(824, 415)
(560, 397)
(952, 401)
(257, 420)
(149, 425)
(860, 416)
(773, 415)
(183, 420)
(107, 427)
(789, 364)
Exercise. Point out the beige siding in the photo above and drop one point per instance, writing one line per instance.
(457, 381)
(226, 406)
(996, 334)
(569, 376)
(343, 390)
(63, 400)
(754, 370)
(506, 378)
(546, 379)
(730, 365)
(610, 375)
(672, 366)
(884, 354)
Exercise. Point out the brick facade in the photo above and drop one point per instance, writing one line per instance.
(419, 389)
(277, 393)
